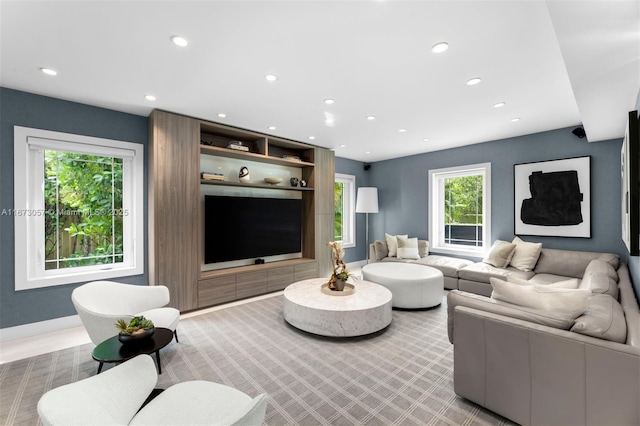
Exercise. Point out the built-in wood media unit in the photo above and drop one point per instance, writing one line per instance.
(176, 145)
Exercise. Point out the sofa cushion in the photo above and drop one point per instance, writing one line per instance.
(392, 243)
(604, 319)
(569, 301)
(569, 263)
(600, 277)
(500, 254)
(482, 272)
(423, 248)
(381, 249)
(525, 255)
(571, 283)
(449, 266)
(407, 248)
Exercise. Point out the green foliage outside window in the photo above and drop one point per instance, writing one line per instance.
(83, 210)
(463, 200)
(338, 194)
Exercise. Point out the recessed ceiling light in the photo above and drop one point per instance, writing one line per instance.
(371, 117)
(402, 130)
(513, 120)
(440, 47)
(271, 77)
(425, 140)
(222, 115)
(179, 41)
(150, 98)
(343, 146)
(49, 71)
(474, 81)
(312, 137)
(368, 152)
(499, 104)
(272, 127)
(329, 101)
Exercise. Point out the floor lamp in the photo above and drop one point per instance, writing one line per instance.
(367, 202)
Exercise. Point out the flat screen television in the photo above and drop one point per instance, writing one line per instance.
(238, 228)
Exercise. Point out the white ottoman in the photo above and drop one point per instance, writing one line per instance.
(412, 286)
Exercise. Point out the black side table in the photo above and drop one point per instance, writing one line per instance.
(112, 350)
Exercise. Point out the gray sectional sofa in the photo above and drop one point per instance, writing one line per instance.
(539, 366)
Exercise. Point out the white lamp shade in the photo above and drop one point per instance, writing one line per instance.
(367, 200)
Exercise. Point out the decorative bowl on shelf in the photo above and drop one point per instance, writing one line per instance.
(272, 180)
(136, 337)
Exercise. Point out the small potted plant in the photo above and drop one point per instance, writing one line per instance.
(137, 329)
(340, 273)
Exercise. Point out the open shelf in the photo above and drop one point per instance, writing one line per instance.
(232, 153)
(254, 185)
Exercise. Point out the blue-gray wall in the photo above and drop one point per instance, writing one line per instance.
(356, 168)
(29, 110)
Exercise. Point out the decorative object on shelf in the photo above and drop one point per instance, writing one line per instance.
(244, 175)
(238, 146)
(340, 274)
(553, 198)
(211, 176)
(367, 202)
(291, 157)
(271, 180)
(294, 181)
(139, 328)
(303, 183)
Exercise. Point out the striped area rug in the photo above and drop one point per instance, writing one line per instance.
(402, 375)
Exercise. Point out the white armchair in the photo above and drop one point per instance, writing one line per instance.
(101, 303)
(115, 396)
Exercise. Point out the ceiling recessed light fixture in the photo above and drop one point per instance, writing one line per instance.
(499, 104)
(440, 47)
(329, 101)
(425, 140)
(513, 120)
(49, 71)
(272, 127)
(179, 41)
(312, 137)
(150, 98)
(371, 117)
(368, 152)
(270, 77)
(402, 130)
(474, 81)
(222, 115)
(343, 146)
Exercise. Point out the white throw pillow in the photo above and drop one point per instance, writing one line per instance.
(525, 255)
(569, 301)
(407, 248)
(500, 254)
(571, 283)
(392, 243)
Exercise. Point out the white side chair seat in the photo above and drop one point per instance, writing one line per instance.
(115, 396)
(101, 303)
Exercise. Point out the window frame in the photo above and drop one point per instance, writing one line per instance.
(348, 209)
(29, 146)
(437, 214)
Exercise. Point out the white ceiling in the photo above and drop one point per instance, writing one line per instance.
(555, 63)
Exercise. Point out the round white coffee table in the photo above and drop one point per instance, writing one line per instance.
(366, 311)
(413, 286)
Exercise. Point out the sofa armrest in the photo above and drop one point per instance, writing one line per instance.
(535, 374)
(457, 298)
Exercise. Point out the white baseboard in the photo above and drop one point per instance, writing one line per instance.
(34, 329)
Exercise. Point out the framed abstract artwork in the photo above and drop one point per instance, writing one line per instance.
(629, 178)
(553, 198)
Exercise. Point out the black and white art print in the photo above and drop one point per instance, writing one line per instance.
(553, 198)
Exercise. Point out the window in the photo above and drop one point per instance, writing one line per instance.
(78, 208)
(460, 218)
(345, 202)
